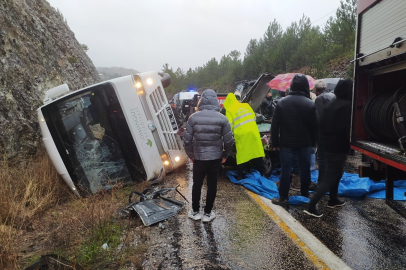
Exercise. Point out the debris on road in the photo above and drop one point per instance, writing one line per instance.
(153, 207)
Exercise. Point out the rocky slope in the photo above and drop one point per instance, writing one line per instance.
(38, 51)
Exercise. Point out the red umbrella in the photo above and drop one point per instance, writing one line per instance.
(282, 81)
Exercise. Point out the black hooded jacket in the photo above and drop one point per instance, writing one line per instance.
(335, 122)
(266, 107)
(294, 123)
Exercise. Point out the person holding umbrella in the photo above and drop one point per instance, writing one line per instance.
(293, 132)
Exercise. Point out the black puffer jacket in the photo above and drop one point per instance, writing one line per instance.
(294, 123)
(208, 134)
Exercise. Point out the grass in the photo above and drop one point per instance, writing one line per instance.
(90, 250)
(40, 215)
(27, 189)
(72, 59)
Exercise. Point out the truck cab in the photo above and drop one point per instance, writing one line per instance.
(118, 131)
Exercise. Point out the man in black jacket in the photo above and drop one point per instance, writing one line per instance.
(334, 145)
(293, 131)
(208, 142)
(266, 106)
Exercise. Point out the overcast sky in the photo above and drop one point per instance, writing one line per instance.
(145, 34)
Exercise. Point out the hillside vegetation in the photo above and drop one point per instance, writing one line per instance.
(320, 51)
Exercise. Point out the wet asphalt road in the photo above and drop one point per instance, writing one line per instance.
(365, 234)
(242, 236)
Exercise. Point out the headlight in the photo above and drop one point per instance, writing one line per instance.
(165, 159)
(138, 85)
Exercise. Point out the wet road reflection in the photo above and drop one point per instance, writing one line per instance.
(365, 233)
(241, 237)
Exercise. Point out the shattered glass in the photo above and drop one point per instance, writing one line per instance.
(88, 131)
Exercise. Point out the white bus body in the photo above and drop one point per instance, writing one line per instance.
(121, 130)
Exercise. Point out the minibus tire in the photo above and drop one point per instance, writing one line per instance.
(166, 79)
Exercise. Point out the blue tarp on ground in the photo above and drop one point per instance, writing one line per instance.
(256, 183)
(351, 185)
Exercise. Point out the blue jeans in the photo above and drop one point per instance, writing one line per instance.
(295, 169)
(303, 157)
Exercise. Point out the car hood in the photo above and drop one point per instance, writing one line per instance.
(258, 91)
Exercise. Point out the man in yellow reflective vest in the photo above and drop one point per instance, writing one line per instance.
(250, 151)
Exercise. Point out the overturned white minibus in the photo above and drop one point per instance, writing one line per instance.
(121, 130)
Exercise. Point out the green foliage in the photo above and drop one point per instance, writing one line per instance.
(72, 60)
(84, 47)
(32, 259)
(91, 251)
(60, 13)
(301, 46)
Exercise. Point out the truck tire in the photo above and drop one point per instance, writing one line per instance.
(165, 80)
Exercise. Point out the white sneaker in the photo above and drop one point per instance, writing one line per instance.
(194, 215)
(209, 217)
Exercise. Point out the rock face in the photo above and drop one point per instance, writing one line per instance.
(38, 51)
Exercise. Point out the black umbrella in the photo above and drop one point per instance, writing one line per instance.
(331, 82)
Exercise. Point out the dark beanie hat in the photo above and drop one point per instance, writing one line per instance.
(343, 90)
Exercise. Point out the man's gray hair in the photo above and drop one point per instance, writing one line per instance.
(320, 86)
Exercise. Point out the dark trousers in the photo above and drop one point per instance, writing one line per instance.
(331, 169)
(303, 158)
(255, 163)
(201, 168)
(295, 169)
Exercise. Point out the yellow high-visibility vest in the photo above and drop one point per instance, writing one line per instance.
(246, 135)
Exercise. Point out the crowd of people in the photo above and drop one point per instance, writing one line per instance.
(300, 121)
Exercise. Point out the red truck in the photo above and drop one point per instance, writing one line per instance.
(379, 102)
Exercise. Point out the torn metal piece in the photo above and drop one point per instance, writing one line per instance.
(152, 207)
